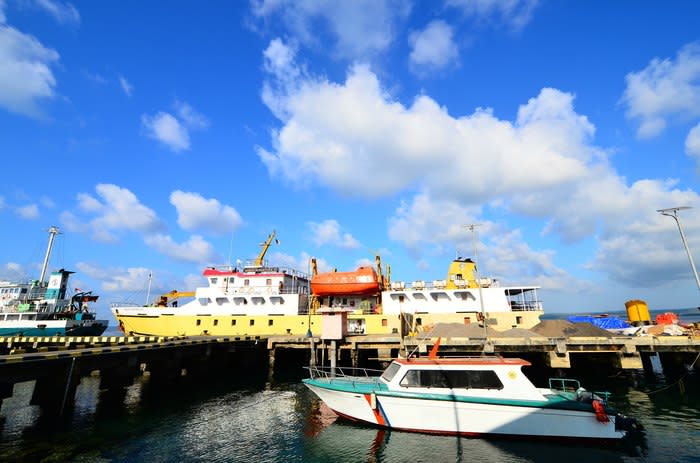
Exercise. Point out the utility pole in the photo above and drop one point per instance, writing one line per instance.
(673, 212)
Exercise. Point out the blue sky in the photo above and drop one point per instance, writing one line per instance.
(165, 137)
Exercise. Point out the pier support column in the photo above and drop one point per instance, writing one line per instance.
(647, 364)
(271, 364)
(55, 393)
(354, 357)
(312, 352)
(629, 361)
(6, 390)
(557, 360)
(333, 356)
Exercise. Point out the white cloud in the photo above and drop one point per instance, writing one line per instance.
(12, 271)
(64, 13)
(195, 212)
(168, 130)
(358, 147)
(360, 28)
(26, 78)
(543, 166)
(692, 143)
(174, 131)
(328, 232)
(433, 47)
(30, 211)
(664, 89)
(515, 13)
(196, 249)
(115, 209)
(127, 88)
(115, 279)
(190, 117)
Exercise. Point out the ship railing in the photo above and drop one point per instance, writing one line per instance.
(526, 306)
(343, 372)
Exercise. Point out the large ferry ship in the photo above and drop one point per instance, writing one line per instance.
(259, 299)
(41, 308)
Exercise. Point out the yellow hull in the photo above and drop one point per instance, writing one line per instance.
(275, 325)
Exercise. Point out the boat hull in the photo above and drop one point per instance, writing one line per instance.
(416, 413)
(54, 328)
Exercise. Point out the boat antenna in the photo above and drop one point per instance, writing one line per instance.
(673, 213)
(472, 228)
(53, 231)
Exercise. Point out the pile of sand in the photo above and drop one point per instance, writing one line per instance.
(518, 333)
(566, 329)
(457, 330)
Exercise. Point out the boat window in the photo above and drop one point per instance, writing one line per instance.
(268, 282)
(390, 372)
(419, 296)
(221, 300)
(204, 300)
(12, 316)
(231, 280)
(246, 282)
(464, 295)
(440, 296)
(398, 297)
(453, 379)
(213, 280)
(30, 316)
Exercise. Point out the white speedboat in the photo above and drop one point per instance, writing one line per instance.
(476, 396)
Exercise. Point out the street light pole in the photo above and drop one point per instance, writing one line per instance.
(673, 212)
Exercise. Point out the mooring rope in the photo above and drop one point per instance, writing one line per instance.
(678, 382)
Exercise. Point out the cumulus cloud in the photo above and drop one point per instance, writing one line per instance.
(30, 211)
(666, 88)
(195, 250)
(195, 212)
(356, 149)
(173, 131)
(26, 79)
(166, 129)
(114, 209)
(433, 47)
(543, 166)
(692, 143)
(328, 232)
(514, 13)
(359, 28)
(116, 279)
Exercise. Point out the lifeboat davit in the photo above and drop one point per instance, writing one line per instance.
(360, 282)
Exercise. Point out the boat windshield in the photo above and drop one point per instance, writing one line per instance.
(390, 372)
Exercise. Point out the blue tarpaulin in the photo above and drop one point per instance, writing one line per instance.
(607, 323)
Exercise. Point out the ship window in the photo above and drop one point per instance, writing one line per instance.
(231, 280)
(268, 282)
(216, 322)
(440, 296)
(419, 321)
(199, 322)
(384, 322)
(221, 300)
(252, 322)
(204, 300)
(453, 379)
(390, 372)
(29, 317)
(246, 282)
(467, 320)
(270, 322)
(233, 322)
(213, 280)
(12, 316)
(519, 320)
(419, 296)
(464, 295)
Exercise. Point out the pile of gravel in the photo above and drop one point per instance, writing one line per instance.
(518, 333)
(458, 330)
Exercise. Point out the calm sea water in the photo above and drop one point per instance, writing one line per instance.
(244, 416)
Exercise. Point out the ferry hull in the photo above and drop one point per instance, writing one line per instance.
(469, 418)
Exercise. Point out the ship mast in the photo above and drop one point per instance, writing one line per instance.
(53, 231)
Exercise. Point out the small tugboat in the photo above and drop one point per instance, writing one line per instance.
(472, 396)
(40, 308)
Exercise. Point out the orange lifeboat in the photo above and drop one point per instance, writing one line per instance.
(362, 281)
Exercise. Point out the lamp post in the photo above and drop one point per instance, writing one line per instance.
(673, 212)
(472, 228)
